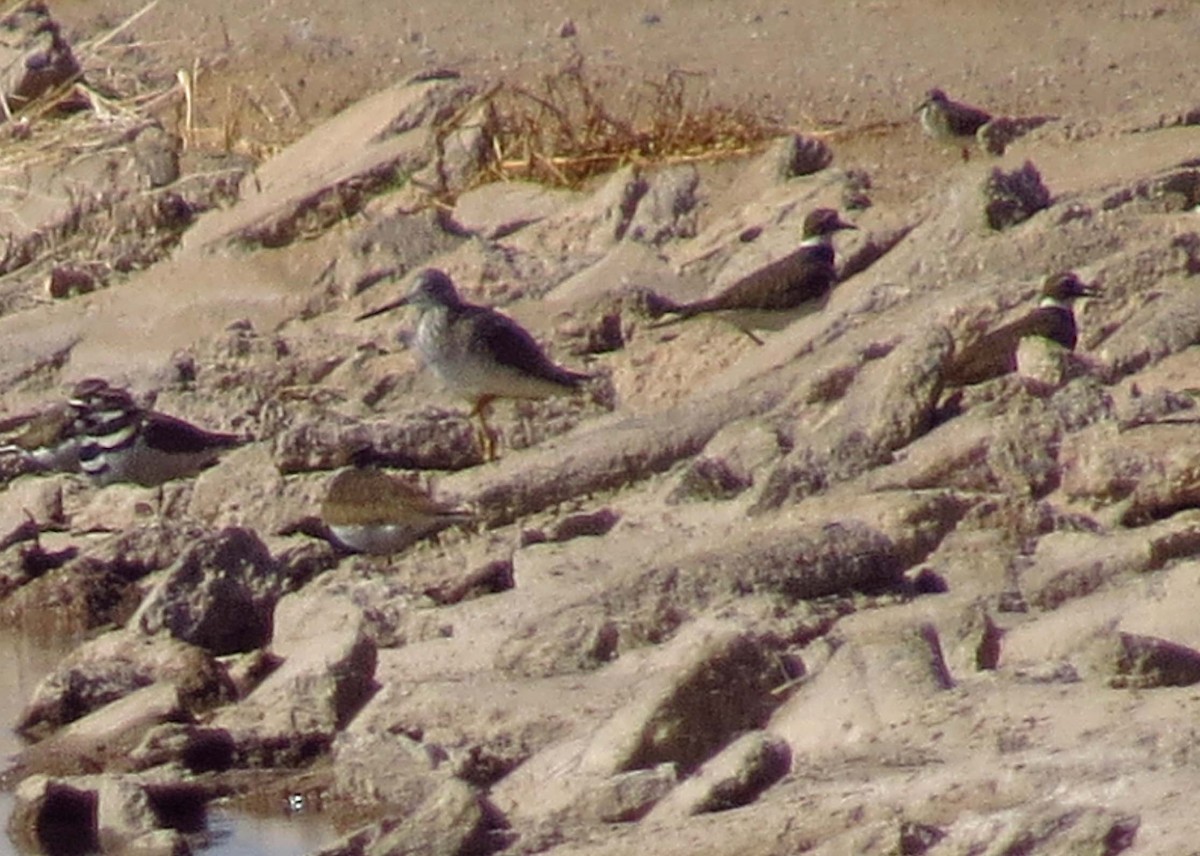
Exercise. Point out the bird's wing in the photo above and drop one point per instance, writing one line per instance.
(511, 345)
(965, 119)
(996, 353)
(785, 283)
(169, 434)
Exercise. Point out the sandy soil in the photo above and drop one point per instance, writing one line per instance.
(855, 68)
(850, 72)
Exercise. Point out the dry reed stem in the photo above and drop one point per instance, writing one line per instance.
(73, 130)
(92, 45)
(571, 126)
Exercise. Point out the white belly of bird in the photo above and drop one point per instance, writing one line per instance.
(471, 374)
(139, 464)
(929, 122)
(377, 539)
(473, 378)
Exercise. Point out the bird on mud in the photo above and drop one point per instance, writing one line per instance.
(369, 510)
(102, 432)
(123, 442)
(950, 121)
(477, 352)
(995, 353)
(44, 439)
(776, 294)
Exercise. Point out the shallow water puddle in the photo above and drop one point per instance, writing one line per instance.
(24, 661)
(236, 834)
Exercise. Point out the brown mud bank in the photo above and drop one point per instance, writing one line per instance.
(729, 598)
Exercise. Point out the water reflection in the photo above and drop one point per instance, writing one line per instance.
(286, 835)
(25, 660)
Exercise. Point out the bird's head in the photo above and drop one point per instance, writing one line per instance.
(96, 394)
(824, 221)
(935, 96)
(89, 388)
(1065, 286)
(934, 99)
(431, 288)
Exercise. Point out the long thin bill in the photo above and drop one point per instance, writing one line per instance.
(387, 307)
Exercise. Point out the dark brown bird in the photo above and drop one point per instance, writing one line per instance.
(996, 353)
(944, 119)
(773, 296)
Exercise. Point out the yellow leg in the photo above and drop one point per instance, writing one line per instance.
(489, 438)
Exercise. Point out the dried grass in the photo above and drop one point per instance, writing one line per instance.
(572, 126)
(77, 117)
(103, 107)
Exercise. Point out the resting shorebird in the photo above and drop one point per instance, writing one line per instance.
(773, 296)
(479, 353)
(372, 511)
(118, 441)
(950, 121)
(996, 353)
(47, 439)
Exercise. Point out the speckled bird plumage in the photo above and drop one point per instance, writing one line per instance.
(945, 119)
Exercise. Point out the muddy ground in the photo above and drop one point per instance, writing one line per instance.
(797, 597)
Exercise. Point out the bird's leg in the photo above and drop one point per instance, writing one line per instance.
(488, 437)
(753, 337)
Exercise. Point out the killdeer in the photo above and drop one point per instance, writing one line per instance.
(368, 510)
(118, 441)
(477, 352)
(775, 295)
(996, 353)
(947, 120)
